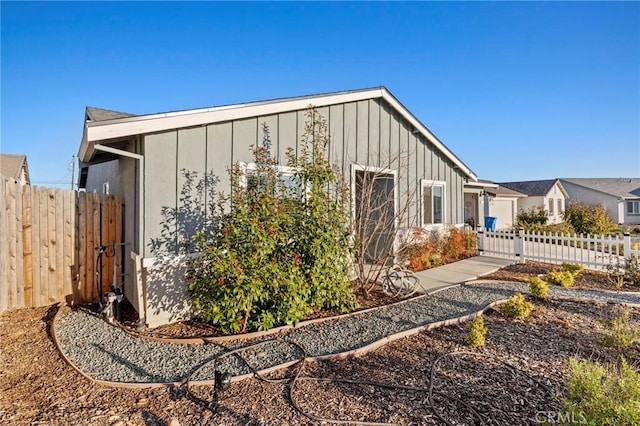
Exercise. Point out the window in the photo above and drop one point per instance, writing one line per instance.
(560, 206)
(551, 206)
(433, 202)
(288, 184)
(633, 207)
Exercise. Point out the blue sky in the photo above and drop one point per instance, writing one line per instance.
(519, 91)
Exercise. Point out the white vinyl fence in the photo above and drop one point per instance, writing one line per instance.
(592, 251)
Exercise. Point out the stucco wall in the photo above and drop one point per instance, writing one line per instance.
(581, 194)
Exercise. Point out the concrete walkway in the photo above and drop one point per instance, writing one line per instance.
(459, 272)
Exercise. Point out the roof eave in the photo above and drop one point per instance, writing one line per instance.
(152, 123)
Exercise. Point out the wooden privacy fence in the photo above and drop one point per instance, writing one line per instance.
(48, 240)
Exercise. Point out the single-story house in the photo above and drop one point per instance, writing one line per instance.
(620, 196)
(485, 198)
(142, 158)
(15, 167)
(541, 193)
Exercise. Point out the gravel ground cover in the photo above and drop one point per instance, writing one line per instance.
(38, 387)
(106, 352)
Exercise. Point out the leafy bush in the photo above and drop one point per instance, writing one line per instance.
(477, 332)
(625, 271)
(603, 394)
(589, 219)
(430, 250)
(517, 307)
(621, 332)
(274, 254)
(561, 278)
(457, 244)
(535, 216)
(574, 268)
(538, 288)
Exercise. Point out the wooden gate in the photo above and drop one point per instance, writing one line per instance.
(48, 240)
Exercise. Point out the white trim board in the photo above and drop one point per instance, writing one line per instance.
(151, 123)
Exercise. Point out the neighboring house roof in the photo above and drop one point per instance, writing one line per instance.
(532, 188)
(117, 128)
(619, 187)
(101, 114)
(502, 191)
(12, 165)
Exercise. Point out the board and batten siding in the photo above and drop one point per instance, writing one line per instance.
(367, 133)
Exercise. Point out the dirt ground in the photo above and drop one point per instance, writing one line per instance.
(519, 374)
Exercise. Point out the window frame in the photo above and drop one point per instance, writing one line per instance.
(560, 205)
(382, 170)
(429, 183)
(248, 168)
(633, 207)
(551, 206)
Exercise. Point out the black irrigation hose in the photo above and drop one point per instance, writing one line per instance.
(298, 378)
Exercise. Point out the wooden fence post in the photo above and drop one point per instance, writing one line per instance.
(480, 240)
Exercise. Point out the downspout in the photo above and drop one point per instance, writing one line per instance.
(140, 158)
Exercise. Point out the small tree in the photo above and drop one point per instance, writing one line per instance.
(589, 219)
(278, 248)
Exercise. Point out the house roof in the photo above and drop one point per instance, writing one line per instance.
(618, 187)
(502, 191)
(101, 114)
(531, 187)
(11, 165)
(116, 128)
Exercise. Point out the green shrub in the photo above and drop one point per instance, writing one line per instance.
(589, 219)
(538, 288)
(477, 332)
(603, 394)
(561, 278)
(574, 268)
(621, 332)
(431, 250)
(534, 217)
(274, 254)
(517, 307)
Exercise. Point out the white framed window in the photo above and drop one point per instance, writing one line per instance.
(633, 207)
(287, 182)
(560, 205)
(551, 201)
(433, 202)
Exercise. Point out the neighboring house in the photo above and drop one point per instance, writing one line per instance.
(620, 196)
(142, 159)
(15, 167)
(486, 198)
(541, 193)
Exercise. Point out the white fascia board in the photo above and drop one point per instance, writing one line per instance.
(111, 129)
(175, 120)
